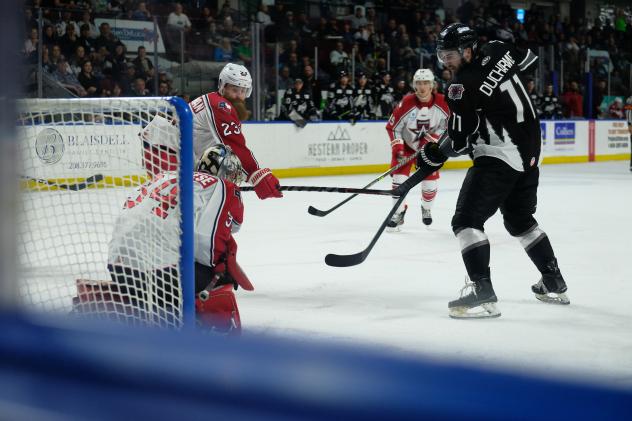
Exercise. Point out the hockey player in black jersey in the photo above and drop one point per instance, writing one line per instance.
(363, 99)
(340, 99)
(493, 119)
(298, 105)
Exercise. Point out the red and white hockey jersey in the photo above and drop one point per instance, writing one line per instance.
(146, 234)
(215, 120)
(414, 121)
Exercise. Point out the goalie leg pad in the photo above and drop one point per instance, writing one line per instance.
(104, 299)
(219, 311)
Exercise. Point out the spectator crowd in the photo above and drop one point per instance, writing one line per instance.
(332, 64)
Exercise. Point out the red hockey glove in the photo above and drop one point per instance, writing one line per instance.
(265, 183)
(397, 146)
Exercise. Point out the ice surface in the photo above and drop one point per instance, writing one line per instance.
(398, 297)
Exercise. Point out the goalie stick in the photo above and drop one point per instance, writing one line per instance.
(317, 212)
(338, 260)
(93, 179)
(329, 190)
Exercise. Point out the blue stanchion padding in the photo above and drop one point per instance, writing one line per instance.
(187, 252)
(101, 372)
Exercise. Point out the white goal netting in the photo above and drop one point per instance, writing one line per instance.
(99, 235)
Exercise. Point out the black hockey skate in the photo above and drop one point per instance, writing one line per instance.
(551, 288)
(426, 216)
(396, 221)
(480, 303)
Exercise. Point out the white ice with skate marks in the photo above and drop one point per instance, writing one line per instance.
(398, 297)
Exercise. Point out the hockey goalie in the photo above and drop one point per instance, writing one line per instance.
(144, 249)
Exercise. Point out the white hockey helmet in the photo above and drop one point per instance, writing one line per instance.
(423, 74)
(237, 75)
(219, 160)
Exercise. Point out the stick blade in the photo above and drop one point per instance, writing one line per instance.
(345, 260)
(316, 212)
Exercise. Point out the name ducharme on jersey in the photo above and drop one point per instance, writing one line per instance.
(503, 83)
(497, 74)
(502, 66)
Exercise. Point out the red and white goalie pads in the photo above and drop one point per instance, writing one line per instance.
(104, 299)
(216, 310)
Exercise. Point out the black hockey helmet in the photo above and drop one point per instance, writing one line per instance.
(456, 37)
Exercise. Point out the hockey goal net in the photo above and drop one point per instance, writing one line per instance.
(83, 162)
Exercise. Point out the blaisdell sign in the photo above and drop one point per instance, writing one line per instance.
(49, 146)
(81, 150)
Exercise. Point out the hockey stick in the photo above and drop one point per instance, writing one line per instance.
(93, 179)
(317, 212)
(329, 190)
(338, 260)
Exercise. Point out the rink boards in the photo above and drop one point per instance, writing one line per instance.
(324, 148)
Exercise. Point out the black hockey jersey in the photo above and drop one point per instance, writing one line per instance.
(363, 103)
(385, 100)
(551, 107)
(490, 107)
(340, 105)
(301, 102)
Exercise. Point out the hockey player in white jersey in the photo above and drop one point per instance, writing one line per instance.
(419, 118)
(216, 120)
(152, 212)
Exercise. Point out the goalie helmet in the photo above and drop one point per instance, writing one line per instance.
(219, 160)
(235, 74)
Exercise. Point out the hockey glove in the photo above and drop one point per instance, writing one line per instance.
(430, 159)
(266, 185)
(397, 147)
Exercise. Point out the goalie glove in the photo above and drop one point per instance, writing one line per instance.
(266, 185)
(430, 159)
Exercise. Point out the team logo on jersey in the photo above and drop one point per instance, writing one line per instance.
(224, 105)
(455, 91)
(49, 146)
(422, 128)
(485, 60)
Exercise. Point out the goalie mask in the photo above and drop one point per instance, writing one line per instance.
(219, 160)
